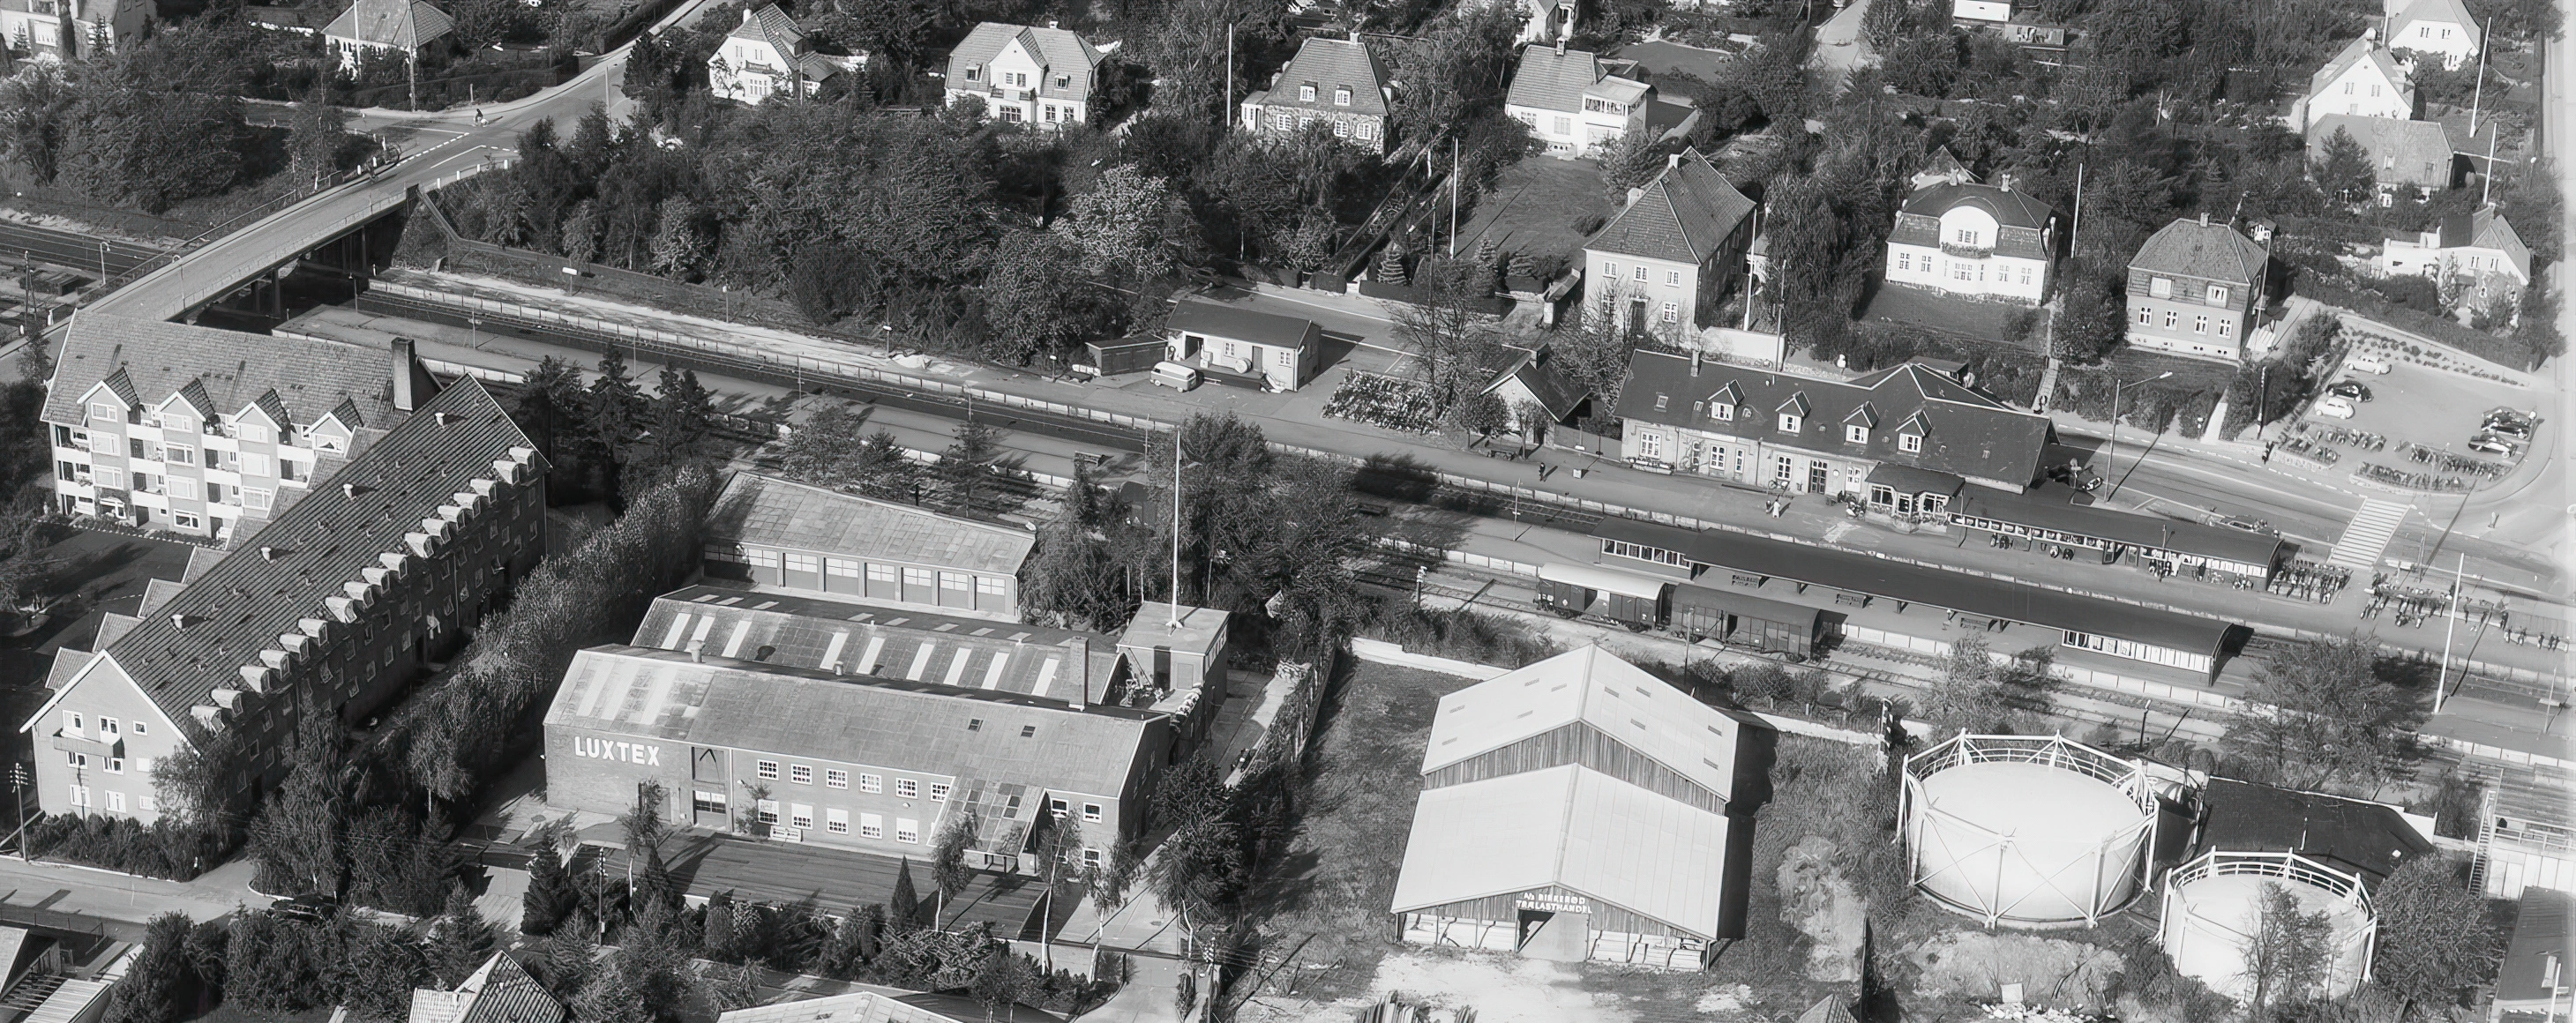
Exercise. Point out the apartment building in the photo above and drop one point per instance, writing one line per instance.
(205, 432)
(343, 598)
(2193, 289)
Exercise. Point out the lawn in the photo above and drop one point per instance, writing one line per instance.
(1542, 208)
(1989, 323)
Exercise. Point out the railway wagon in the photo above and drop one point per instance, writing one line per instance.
(1637, 601)
(1771, 626)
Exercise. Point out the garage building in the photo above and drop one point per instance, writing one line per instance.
(775, 533)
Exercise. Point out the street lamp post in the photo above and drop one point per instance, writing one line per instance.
(2112, 464)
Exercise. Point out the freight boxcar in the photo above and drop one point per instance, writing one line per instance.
(1771, 626)
(1639, 602)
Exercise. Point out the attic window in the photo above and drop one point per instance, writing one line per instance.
(1910, 443)
(974, 724)
(1306, 93)
(1342, 96)
(971, 71)
(1789, 422)
(1856, 433)
(1722, 410)
(1028, 731)
(2218, 293)
(1660, 401)
(1064, 81)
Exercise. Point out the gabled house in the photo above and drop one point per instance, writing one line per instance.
(1041, 77)
(399, 27)
(1943, 168)
(2479, 246)
(767, 55)
(2411, 159)
(2443, 28)
(340, 602)
(1662, 263)
(2193, 289)
(1340, 82)
(1535, 395)
(1813, 435)
(1667, 256)
(502, 991)
(2365, 79)
(196, 430)
(80, 29)
(1573, 101)
(1978, 241)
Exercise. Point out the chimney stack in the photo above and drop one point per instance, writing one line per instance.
(1081, 672)
(746, 15)
(404, 399)
(2004, 181)
(2204, 218)
(1694, 362)
(1672, 160)
(267, 553)
(1560, 46)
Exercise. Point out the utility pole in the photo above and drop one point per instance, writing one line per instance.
(2442, 681)
(2077, 227)
(1453, 196)
(2486, 181)
(2478, 92)
(1229, 76)
(1175, 622)
(414, 65)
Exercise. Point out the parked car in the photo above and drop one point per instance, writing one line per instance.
(2508, 423)
(2336, 407)
(2366, 364)
(2493, 445)
(2246, 524)
(307, 908)
(2353, 389)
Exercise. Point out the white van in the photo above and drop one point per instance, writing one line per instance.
(2336, 407)
(1179, 376)
(2366, 364)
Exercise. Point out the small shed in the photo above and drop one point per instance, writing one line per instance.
(1284, 351)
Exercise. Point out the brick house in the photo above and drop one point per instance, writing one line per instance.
(1340, 82)
(2410, 159)
(344, 597)
(1041, 77)
(196, 430)
(2193, 289)
(2364, 79)
(1664, 261)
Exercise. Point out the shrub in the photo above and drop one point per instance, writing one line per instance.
(179, 852)
(1459, 634)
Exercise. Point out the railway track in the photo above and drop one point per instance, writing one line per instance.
(66, 248)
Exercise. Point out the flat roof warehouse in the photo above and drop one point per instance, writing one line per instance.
(1932, 587)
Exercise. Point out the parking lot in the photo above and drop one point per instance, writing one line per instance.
(2433, 408)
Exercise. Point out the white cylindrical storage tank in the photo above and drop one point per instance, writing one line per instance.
(2213, 907)
(2027, 831)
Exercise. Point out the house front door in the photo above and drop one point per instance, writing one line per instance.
(1819, 476)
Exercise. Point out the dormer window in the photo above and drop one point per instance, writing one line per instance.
(1660, 400)
(2161, 287)
(1306, 93)
(2218, 294)
(1910, 443)
(1723, 411)
(1855, 433)
(1967, 237)
(1342, 96)
(1789, 422)
(1064, 81)
(971, 71)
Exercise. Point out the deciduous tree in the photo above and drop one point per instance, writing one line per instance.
(2434, 938)
(2319, 713)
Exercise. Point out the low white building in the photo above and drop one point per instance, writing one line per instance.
(2366, 79)
(1573, 102)
(2443, 28)
(767, 55)
(1041, 77)
(1996, 11)
(1974, 240)
(2478, 246)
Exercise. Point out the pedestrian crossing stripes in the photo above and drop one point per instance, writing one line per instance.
(2366, 537)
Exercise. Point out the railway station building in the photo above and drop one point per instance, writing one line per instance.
(1809, 435)
(1580, 809)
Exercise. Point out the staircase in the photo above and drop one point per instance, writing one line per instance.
(2366, 537)
(29, 993)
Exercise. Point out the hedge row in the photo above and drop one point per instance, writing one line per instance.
(161, 849)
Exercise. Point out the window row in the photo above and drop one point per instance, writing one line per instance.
(836, 778)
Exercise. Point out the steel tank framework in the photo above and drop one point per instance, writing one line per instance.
(2026, 831)
(2213, 907)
